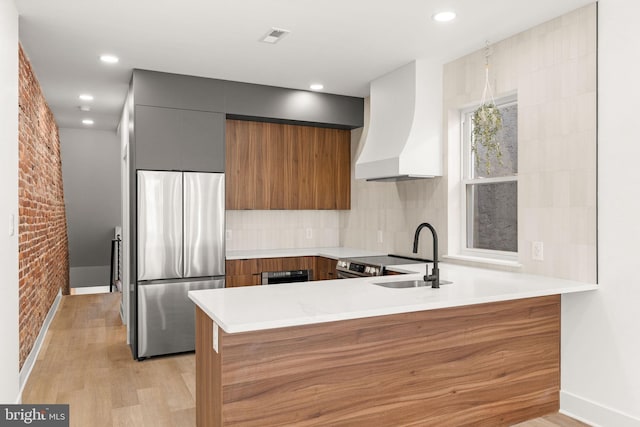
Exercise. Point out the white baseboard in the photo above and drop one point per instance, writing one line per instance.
(593, 413)
(27, 367)
(85, 290)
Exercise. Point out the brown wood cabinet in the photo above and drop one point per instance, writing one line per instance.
(242, 272)
(492, 364)
(324, 268)
(298, 263)
(254, 165)
(279, 166)
(248, 272)
(286, 263)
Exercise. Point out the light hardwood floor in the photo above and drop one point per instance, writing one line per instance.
(86, 363)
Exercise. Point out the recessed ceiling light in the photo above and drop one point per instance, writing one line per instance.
(87, 122)
(445, 16)
(86, 97)
(316, 86)
(84, 108)
(109, 59)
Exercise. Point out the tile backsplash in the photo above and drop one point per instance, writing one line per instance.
(277, 229)
(385, 215)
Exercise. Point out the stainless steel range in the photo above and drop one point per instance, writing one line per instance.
(371, 266)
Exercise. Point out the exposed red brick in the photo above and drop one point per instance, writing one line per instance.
(42, 232)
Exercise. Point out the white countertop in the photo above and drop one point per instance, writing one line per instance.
(253, 308)
(335, 253)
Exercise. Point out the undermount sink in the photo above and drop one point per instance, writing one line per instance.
(402, 284)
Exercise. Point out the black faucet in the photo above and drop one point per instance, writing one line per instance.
(434, 278)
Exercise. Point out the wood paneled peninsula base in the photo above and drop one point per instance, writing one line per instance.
(488, 364)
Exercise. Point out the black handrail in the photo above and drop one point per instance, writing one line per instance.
(115, 263)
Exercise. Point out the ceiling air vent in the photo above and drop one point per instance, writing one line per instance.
(274, 35)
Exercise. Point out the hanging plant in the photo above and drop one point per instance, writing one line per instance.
(487, 122)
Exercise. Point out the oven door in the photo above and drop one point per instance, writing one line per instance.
(341, 274)
(277, 277)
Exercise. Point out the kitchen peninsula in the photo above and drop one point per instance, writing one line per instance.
(483, 350)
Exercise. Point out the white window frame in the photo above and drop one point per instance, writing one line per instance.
(466, 169)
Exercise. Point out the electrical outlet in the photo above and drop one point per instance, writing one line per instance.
(537, 251)
(380, 236)
(229, 235)
(215, 337)
(309, 233)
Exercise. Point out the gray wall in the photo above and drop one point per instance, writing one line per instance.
(91, 175)
(246, 100)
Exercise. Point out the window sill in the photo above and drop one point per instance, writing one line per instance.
(476, 261)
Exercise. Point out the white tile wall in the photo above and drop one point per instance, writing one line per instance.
(273, 229)
(552, 67)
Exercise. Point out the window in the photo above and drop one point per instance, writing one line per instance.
(490, 195)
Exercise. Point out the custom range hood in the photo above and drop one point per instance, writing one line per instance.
(403, 137)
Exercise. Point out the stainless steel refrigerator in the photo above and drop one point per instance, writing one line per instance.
(180, 247)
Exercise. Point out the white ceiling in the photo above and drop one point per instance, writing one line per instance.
(343, 44)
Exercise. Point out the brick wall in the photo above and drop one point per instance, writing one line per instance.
(42, 239)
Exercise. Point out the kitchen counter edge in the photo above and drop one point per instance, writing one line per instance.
(253, 308)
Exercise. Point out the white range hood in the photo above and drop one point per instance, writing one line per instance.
(404, 136)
